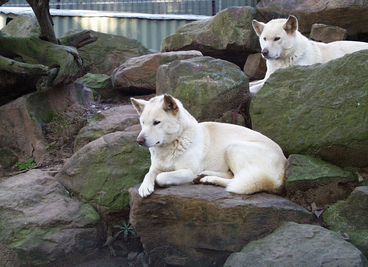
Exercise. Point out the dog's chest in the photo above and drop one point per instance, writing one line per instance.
(171, 160)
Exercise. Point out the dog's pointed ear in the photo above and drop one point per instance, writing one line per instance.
(170, 104)
(258, 27)
(138, 104)
(291, 25)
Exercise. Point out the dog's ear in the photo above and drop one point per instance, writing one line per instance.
(170, 104)
(258, 27)
(291, 25)
(138, 104)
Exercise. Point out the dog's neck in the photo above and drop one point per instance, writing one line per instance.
(180, 145)
(298, 51)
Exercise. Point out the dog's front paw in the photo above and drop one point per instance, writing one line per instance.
(146, 189)
(197, 180)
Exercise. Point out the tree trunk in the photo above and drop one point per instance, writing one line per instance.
(28, 64)
(41, 9)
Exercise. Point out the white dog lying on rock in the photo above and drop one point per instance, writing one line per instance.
(282, 45)
(235, 157)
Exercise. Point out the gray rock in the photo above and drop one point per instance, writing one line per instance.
(349, 15)
(255, 66)
(295, 244)
(8, 258)
(22, 25)
(118, 118)
(100, 84)
(350, 217)
(327, 34)
(138, 75)
(41, 223)
(318, 110)
(101, 172)
(200, 225)
(108, 52)
(30, 113)
(7, 158)
(210, 89)
(228, 35)
(312, 180)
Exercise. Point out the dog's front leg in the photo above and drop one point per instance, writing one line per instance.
(255, 86)
(181, 176)
(148, 185)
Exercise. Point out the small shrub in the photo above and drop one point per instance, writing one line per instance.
(126, 229)
(25, 165)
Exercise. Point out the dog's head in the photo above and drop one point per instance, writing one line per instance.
(276, 37)
(159, 118)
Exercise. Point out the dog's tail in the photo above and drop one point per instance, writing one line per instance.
(254, 179)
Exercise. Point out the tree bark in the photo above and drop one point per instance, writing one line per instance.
(28, 64)
(41, 8)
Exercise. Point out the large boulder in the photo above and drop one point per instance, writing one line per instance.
(351, 218)
(318, 110)
(311, 180)
(138, 75)
(108, 52)
(295, 244)
(22, 25)
(41, 222)
(350, 15)
(118, 118)
(201, 225)
(210, 89)
(101, 172)
(228, 35)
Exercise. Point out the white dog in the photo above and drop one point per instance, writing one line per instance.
(235, 157)
(284, 46)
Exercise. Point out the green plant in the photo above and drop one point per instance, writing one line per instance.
(25, 165)
(126, 228)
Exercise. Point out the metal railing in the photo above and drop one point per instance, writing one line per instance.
(178, 7)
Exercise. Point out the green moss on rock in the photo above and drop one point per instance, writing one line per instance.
(350, 216)
(102, 171)
(319, 110)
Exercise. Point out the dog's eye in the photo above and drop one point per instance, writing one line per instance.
(156, 123)
(277, 38)
(264, 38)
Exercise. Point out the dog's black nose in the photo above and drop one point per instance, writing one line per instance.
(264, 52)
(141, 140)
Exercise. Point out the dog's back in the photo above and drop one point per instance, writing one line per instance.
(338, 49)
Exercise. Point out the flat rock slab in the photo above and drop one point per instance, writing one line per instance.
(311, 180)
(295, 244)
(201, 225)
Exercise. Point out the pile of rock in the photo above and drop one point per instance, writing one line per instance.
(317, 114)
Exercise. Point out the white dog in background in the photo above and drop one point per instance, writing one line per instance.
(235, 157)
(284, 46)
